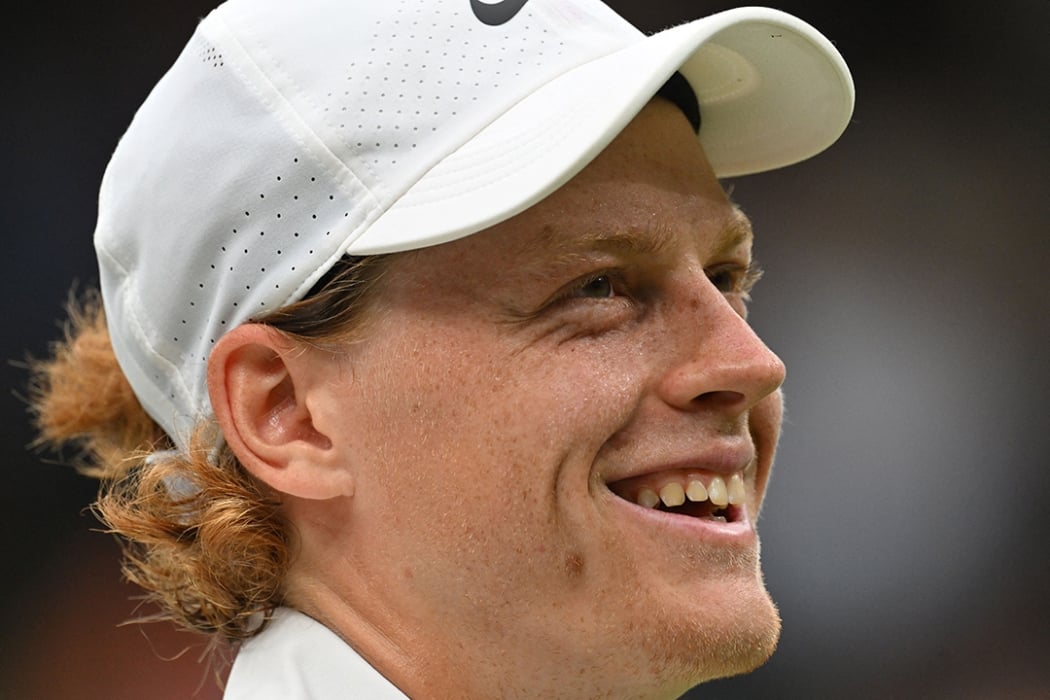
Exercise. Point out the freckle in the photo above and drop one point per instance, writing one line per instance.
(574, 564)
(407, 572)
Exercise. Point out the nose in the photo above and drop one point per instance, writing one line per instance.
(720, 364)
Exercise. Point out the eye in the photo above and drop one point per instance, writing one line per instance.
(598, 287)
(596, 303)
(724, 280)
(736, 279)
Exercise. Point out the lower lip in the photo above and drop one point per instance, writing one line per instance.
(738, 533)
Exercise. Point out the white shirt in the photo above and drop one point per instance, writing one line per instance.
(298, 658)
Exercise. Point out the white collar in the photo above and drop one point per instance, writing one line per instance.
(298, 658)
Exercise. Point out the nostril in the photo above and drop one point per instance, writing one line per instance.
(725, 400)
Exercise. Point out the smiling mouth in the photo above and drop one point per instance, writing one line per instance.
(712, 498)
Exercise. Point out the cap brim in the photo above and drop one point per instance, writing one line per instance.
(772, 92)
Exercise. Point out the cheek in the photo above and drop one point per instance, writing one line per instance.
(438, 420)
(470, 400)
(472, 416)
(472, 438)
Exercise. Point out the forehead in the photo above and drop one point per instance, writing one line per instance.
(651, 189)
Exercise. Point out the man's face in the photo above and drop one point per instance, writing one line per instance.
(520, 392)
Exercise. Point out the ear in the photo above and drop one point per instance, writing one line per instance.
(262, 386)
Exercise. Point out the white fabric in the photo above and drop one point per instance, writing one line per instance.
(298, 658)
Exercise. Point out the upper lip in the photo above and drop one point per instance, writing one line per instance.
(724, 460)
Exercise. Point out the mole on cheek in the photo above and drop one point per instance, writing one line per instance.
(574, 565)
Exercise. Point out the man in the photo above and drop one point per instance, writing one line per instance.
(441, 312)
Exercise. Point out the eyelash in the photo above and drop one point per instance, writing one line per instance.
(741, 280)
(732, 280)
(728, 280)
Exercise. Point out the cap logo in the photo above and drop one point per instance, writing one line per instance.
(496, 13)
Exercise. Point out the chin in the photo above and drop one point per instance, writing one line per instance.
(736, 638)
(748, 646)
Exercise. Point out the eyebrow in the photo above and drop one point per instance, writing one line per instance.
(644, 242)
(736, 232)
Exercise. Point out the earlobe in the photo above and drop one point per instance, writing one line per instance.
(261, 384)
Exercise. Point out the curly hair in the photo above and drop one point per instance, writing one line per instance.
(206, 541)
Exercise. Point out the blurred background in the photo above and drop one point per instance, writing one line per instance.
(907, 289)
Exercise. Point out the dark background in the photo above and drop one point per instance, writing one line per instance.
(905, 535)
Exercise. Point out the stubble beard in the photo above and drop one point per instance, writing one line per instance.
(736, 633)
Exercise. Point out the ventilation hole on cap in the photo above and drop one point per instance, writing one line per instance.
(278, 178)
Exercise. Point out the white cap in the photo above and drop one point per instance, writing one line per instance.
(289, 134)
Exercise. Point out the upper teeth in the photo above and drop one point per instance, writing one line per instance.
(675, 493)
(672, 494)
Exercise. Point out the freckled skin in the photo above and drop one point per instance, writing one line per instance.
(481, 554)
